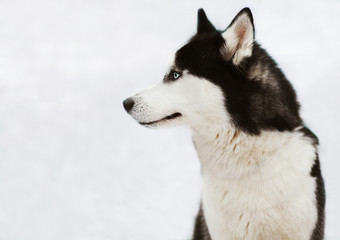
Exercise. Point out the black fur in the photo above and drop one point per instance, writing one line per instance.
(320, 193)
(201, 231)
(203, 24)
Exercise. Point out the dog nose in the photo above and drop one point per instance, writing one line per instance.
(128, 104)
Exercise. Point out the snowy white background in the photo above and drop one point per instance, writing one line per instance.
(75, 166)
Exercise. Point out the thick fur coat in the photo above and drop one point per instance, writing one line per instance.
(261, 175)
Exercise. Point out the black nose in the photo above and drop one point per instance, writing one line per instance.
(128, 104)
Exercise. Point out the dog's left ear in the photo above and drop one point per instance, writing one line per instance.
(239, 37)
(203, 23)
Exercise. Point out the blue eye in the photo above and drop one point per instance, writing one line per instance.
(176, 75)
(172, 76)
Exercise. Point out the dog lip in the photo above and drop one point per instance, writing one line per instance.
(169, 117)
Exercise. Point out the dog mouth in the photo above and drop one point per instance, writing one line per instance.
(167, 118)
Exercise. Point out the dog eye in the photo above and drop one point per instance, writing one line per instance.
(172, 76)
(176, 75)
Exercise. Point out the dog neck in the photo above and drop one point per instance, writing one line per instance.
(227, 152)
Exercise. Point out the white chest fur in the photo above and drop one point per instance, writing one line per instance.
(257, 187)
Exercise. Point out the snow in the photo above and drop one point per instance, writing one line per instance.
(74, 165)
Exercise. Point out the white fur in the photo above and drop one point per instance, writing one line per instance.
(254, 187)
(193, 97)
(257, 187)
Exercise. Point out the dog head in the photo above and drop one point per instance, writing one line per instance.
(223, 78)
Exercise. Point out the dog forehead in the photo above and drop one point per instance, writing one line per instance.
(199, 49)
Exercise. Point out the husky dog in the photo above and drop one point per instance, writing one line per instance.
(260, 170)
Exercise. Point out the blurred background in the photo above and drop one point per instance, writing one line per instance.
(75, 166)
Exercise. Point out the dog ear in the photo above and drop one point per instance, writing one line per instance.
(203, 23)
(239, 37)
